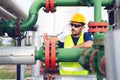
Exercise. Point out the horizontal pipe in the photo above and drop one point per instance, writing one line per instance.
(13, 8)
(68, 3)
(4, 13)
(80, 2)
(39, 54)
(69, 54)
(17, 55)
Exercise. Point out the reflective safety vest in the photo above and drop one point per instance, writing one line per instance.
(72, 68)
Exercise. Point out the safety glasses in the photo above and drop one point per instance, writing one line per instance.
(75, 25)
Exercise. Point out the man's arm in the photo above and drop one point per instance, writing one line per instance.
(87, 44)
(55, 38)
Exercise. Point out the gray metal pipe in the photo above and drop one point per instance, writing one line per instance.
(11, 7)
(4, 13)
(17, 55)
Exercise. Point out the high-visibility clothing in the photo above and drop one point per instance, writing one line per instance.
(72, 68)
(68, 42)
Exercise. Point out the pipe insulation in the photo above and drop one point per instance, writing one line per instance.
(13, 8)
(4, 13)
(17, 55)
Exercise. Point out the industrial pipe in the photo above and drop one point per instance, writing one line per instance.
(37, 4)
(13, 8)
(97, 10)
(74, 53)
(62, 54)
(80, 2)
(33, 15)
(4, 13)
(17, 55)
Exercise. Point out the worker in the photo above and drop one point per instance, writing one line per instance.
(76, 39)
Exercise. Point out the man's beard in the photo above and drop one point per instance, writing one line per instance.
(76, 34)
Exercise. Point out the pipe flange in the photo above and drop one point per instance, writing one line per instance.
(53, 55)
(52, 5)
(47, 54)
(47, 6)
(97, 27)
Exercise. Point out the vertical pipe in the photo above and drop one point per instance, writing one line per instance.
(18, 44)
(117, 14)
(97, 10)
(18, 65)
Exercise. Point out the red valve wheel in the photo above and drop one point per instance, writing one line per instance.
(53, 54)
(47, 55)
(91, 59)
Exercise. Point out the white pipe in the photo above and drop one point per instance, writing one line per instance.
(13, 8)
(4, 13)
(17, 55)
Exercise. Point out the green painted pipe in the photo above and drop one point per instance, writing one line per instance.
(103, 2)
(69, 54)
(106, 2)
(33, 15)
(2, 26)
(80, 2)
(37, 4)
(6, 26)
(63, 54)
(68, 3)
(97, 10)
(39, 54)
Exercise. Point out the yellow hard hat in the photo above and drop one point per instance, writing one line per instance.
(78, 18)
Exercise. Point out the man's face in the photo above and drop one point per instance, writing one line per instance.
(76, 28)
